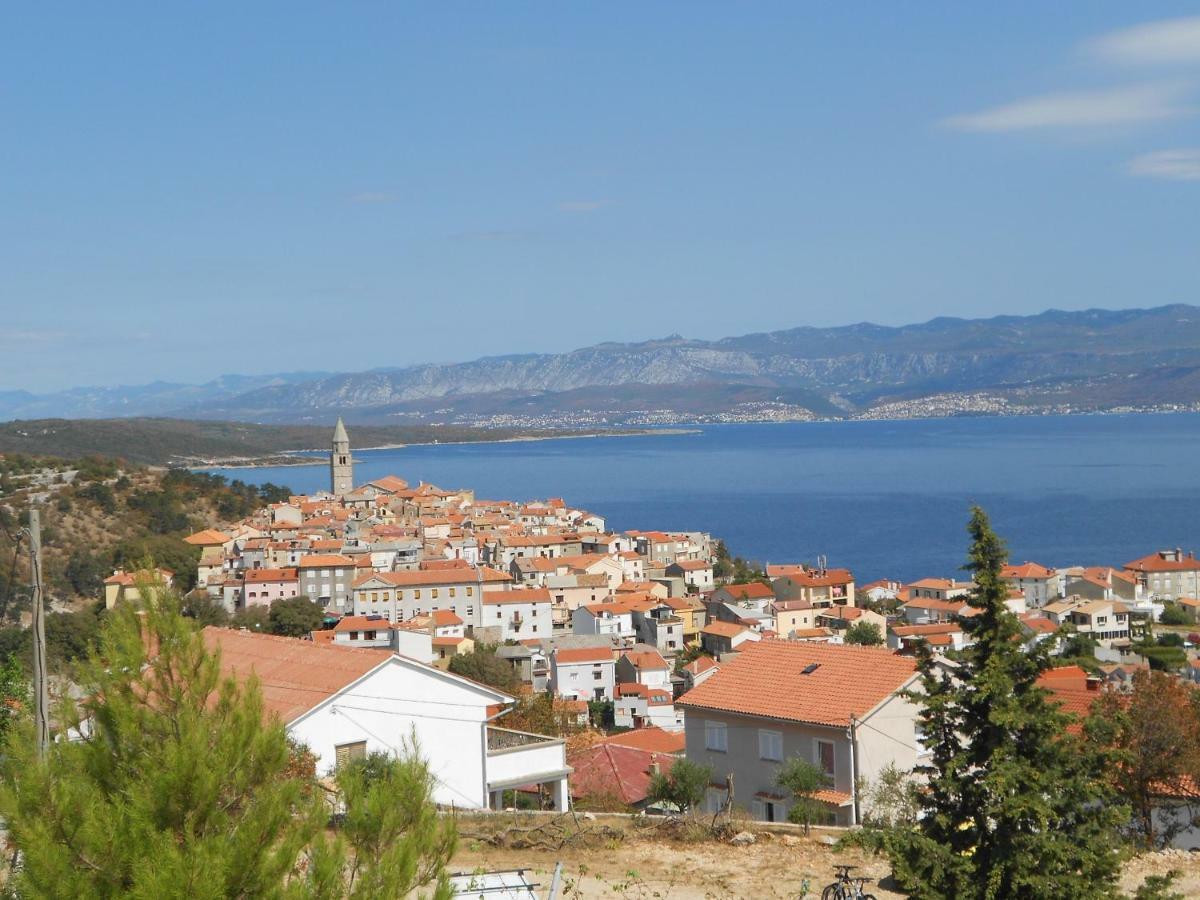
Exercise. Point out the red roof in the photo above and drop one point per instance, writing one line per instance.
(1026, 570)
(294, 675)
(755, 590)
(723, 629)
(583, 654)
(517, 595)
(767, 679)
(326, 560)
(652, 739)
(646, 659)
(608, 770)
(1156, 563)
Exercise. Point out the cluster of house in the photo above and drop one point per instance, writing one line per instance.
(736, 676)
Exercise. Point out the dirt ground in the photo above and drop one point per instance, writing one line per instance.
(641, 865)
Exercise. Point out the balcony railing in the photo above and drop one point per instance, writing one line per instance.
(506, 739)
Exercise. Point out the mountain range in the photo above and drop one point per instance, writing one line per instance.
(1055, 361)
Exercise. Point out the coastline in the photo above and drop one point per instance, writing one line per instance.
(291, 459)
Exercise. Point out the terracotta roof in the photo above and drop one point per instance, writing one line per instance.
(446, 641)
(692, 565)
(767, 679)
(700, 665)
(1155, 563)
(911, 630)
(362, 623)
(825, 578)
(435, 577)
(646, 659)
(294, 675)
(608, 770)
(755, 590)
(517, 595)
(583, 654)
(653, 739)
(723, 629)
(1026, 570)
(259, 575)
(325, 560)
(444, 617)
(207, 537)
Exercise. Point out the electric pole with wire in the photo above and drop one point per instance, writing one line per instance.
(41, 692)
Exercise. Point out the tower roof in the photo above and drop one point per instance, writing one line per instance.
(339, 431)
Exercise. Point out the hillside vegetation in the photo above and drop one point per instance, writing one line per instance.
(99, 514)
(157, 441)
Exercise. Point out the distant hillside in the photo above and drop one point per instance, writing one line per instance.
(181, 442)
(1092, 359)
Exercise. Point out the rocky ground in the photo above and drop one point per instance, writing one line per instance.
(623, 859)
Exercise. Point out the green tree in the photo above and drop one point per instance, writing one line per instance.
(205, 610)
(803, 779)
(295, 617)
(14, 695)
(483, 665)
(1174, 614)
(1015, 805)
(682, 787)
(866, 633)
(86, 573)
(1156, 730)
(181, 787)
(252, 618)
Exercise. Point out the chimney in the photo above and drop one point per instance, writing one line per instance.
(654, 767)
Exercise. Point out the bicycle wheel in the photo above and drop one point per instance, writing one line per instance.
(831, 892)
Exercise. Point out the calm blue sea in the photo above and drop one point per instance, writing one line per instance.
(887, 499)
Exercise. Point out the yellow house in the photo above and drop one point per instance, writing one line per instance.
(122, 586)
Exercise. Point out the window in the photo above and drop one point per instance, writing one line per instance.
(825, 759)
(416, 595)
(597, 674)
(470, 612)
(715, 737)
(574, 676)
(435, 593)
(369, 635)
(770, 745)
(344, 754)
(453, 591)
(470, 592)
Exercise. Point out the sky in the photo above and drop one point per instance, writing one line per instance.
(268, 187)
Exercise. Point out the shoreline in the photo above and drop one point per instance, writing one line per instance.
(291, 459)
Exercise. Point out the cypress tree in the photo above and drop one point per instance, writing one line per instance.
(1016, 805)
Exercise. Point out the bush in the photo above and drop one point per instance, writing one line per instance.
(1174, 614)
(295, 617)
(681, 788)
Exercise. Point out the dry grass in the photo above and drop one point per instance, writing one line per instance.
(643, 863)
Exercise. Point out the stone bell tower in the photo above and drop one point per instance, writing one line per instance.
(341, 467)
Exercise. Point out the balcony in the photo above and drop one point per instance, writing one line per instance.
(518, 759)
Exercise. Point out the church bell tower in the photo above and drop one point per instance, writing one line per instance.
(341, 467)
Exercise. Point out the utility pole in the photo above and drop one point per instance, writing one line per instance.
(41, 693)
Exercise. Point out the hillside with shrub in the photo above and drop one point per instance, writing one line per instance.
(99, 514)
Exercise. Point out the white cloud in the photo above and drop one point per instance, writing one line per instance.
(1079, 109)
(1163, 42)
(581, 205)
(1174, 165)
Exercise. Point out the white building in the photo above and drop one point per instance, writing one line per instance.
(344, 704)
(522, 613)
(582, 673)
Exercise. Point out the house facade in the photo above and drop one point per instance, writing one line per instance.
(780, 699)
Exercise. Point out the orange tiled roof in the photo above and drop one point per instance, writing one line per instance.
(517, 595)
(767, 680)
(295, 675)
(435, 577)
(607, 770)
(362, 623)
(723, 629)
(1026, 570)
(755, 590)
(646, 659)
(583, 654)
(653, 739)
(208, 537)
(324, 560)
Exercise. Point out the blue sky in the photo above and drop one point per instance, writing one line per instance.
(267, 187)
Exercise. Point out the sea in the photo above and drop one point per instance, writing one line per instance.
(887, 499)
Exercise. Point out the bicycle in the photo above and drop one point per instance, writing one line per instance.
(846, 887)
